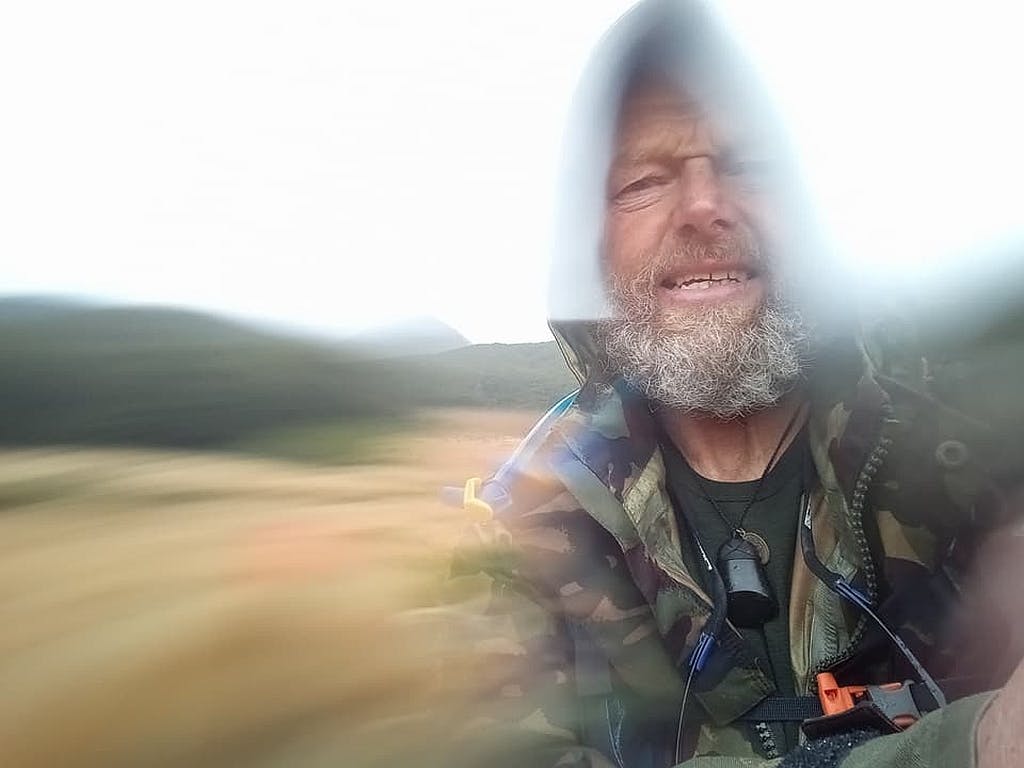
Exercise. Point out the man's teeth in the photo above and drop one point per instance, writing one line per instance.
(713, 278)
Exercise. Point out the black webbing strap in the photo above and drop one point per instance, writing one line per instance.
(800, 708)
(776, 709)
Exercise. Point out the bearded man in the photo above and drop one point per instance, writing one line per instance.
(744, 537)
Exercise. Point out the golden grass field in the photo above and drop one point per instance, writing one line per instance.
(163, 608)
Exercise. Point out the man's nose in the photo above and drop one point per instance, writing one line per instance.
(703, 208)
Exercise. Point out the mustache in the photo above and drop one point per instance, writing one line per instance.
(737, 247)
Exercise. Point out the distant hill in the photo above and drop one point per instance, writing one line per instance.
(507, 375)
(415, 336)
(82, 326)
(74, 372)
(80, 373)
(26, 309)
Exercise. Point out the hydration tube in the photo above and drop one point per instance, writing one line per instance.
(851, 594)
(712, 626)
(535, 436)
(486, 498)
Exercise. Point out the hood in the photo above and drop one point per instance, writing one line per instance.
(684, 41)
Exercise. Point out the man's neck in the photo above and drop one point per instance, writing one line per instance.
(736, 450)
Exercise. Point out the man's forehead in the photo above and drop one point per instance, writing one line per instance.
(652, 109)
(654, 97)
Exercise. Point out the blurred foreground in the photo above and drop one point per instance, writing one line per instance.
(176, 608)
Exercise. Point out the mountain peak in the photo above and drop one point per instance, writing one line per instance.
(421, 335)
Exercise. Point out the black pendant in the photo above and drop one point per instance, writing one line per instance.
(751, 601)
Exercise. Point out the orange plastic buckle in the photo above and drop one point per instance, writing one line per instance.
(893, 699)
(837, 698)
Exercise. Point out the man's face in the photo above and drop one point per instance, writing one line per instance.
(701, 322)
(686, 206)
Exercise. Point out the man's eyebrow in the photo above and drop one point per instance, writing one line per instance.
(633, 157)
(666, 149)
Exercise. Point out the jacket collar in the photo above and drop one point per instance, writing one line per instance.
(612, 432)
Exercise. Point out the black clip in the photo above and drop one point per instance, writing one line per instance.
(896, 702)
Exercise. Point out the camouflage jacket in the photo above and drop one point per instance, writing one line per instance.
(590, 543)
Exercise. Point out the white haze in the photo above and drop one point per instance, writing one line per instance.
(338, 165)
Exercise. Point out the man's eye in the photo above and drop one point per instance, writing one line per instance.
(642, 185)
(754, 170)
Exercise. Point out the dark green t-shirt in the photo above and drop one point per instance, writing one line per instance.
(774, 516)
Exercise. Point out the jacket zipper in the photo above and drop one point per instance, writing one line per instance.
(860, 489)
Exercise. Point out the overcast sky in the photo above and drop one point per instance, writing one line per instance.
(337, 165)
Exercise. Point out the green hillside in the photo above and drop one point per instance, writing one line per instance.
(166, 377)
(73, 373)
(503, 375)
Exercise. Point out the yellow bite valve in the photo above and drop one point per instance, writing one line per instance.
(478, 509)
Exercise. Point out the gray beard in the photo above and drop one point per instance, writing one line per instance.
(712, 360)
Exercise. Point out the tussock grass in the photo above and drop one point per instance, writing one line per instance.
(168, 608)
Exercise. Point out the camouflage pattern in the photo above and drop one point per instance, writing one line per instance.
(591, 544)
